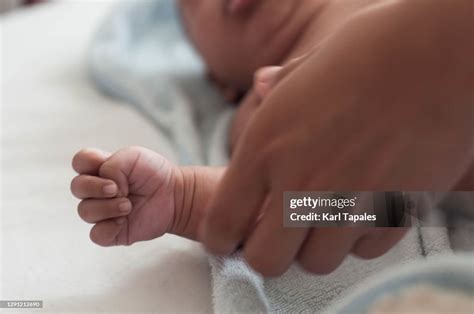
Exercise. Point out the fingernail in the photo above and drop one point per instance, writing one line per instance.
(267, 74)
(110, 189)
(262, 89)
(125, 207)
(120, 221)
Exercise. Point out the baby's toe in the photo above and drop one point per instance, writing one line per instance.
(86, 186)
(93, 210)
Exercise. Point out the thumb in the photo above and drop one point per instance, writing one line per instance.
(267, 78)
(119, 167)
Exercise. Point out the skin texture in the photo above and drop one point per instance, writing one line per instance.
(229, 43)
(173, 198)
(165, 198)
(136, 195)
(354, 145)
(136, 178)
(326, 17)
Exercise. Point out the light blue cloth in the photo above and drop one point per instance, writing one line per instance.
(452, 273)
(141, 56)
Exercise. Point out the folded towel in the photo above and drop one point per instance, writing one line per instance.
(141, 56)
(297, 291)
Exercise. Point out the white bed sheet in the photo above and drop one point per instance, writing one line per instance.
(49, 111)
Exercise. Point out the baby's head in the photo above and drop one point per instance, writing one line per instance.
(236, 37)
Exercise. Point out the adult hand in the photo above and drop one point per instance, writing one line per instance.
(369, 111)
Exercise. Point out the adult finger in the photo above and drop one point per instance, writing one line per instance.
(235, 206)
(377, 242)
(326, 248)
(271, 248)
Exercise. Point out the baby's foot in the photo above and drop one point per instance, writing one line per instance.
(137, 195)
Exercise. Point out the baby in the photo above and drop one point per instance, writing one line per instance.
(237, 37)
(136, 194)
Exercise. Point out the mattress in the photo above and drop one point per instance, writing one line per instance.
(49, 110)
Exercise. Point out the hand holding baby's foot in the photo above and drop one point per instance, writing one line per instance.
(132, 195)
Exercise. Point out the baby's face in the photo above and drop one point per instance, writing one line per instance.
(236, 37)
